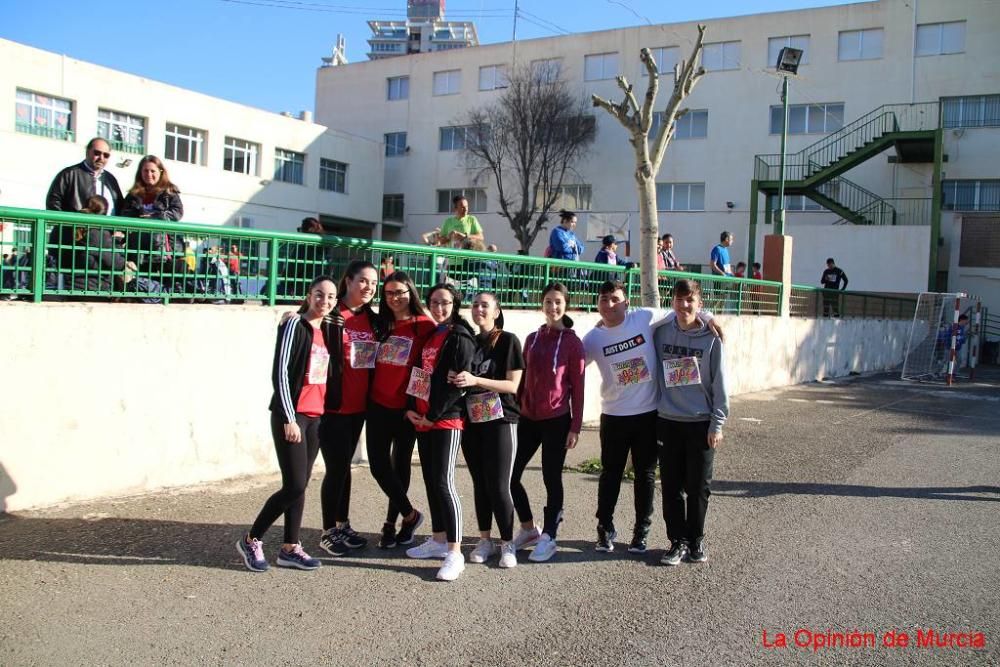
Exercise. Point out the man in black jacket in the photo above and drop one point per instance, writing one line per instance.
(74, 185)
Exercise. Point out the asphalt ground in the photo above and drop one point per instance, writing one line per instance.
(867, 504)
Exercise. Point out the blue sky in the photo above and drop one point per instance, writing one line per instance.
(264, 53)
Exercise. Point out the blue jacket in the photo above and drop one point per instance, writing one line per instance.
(564, 244)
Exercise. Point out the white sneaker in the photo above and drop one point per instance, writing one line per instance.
(484, 549)
(544, 550)
(526, 537)
(454, 564)
(508, 555)
(429, 549)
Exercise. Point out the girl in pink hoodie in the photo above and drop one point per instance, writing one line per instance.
(551, 398)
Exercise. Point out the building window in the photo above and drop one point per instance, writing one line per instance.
(492, 77)
(240, 156)
(392, 207)
(775, 44)
(721, 56)
(971, 195)
(572, 198)
(680, 196)
(599, 66)
(860, 44)
(289, 166)
(809, 118)
(332, 175)
(453, 138)
(184, 144)
(980, 245)
(397, 88)
(395, 144)
(548, 70)
(476, 197)
(448, 83)
(123, 132)
(44, 115)
(692, 125)
(971, 111)
(385, 47)
(665, 57)
(938, 39)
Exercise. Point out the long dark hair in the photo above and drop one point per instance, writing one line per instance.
(304, 308)
(567, 321)
(456, 297)
(385, 315)
(498, 323)
(353, 269)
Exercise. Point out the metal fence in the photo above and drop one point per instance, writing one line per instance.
(72, 256)
(817, 302)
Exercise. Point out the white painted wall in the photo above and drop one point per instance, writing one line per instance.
(109, 399)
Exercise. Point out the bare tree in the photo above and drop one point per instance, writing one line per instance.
(638, 121)
(529, 140)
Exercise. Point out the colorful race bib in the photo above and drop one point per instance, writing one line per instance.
(484, 407)
(395, 351)
(631, 371)
(420, 384)
(681, 372)
(319, 364)
(363, 353)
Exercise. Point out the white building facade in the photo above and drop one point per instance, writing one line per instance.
(235, 165)
(857, 58)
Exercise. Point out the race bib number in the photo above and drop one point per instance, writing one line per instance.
(681, 372)
(319, 364)
(419, 385)
(395, 351)
(363, 353)
(484, 407)
(631, 371)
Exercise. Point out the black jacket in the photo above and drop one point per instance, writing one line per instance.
(73, 186)
(166, 206)
(456, 355)
(145, 246)
(291, 361)
(96, 261)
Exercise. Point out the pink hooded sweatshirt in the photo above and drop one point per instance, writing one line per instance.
(552, 384)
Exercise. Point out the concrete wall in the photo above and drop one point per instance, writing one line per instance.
(105, 399)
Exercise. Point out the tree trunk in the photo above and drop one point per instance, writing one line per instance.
(649, 231)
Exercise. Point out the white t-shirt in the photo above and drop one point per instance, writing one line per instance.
(627, 359)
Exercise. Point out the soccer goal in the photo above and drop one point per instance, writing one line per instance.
(937, 337)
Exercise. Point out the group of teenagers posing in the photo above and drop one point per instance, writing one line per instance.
(425, 375)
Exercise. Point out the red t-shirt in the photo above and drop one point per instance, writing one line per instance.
(396, 357)
(359, 358)
(313, 395)
(428, 361)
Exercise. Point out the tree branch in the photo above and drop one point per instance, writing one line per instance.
(646, 115)
(689, 74)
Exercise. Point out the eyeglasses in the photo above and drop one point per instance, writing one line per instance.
(396, 293)
(97, 153)
(440, 304)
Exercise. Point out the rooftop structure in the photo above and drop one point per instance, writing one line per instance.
(423, 30)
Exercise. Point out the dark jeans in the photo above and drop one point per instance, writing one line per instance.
(295, 459)
(831, 305)
(438, 452)
(619, 436)
(489, 451)
(685, 470)
(338, 439)
(550, 435)
(390, 439)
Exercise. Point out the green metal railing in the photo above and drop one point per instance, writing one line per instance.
(806, 301)
(868, 208)
(84, 257)
(889, 118)
(43, 131)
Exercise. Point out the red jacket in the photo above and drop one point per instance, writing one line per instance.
(552, 384)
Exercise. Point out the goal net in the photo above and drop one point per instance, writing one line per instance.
(929, 346)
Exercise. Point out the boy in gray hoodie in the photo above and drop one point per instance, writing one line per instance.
(692, 409)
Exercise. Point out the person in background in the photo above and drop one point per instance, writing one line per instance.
(833, 278)
(563, 242)
(154, 197)
(461, 226)
(551, 397)
(386, 267)
(234, 260)
(721, 265)
(741, 270)
(757, 274)
(301, 261)
(666, 255)
(300, 374)
(96, 259)
(608, 254)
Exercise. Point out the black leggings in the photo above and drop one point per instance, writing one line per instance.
(619, 436)
(438, 450)
(489, 451)
(686, 463)
(296, 462)
(338, 438)
(550, 435)
(390, 440)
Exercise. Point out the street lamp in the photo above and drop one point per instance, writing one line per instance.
(788, 62)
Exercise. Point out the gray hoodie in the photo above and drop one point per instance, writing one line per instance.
(691, 375)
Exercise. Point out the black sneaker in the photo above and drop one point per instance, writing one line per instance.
(678, 552)
(351, 537)
(697, 553)
(638, 544)
(605, 538)
(388, 539)
(332, 542)
(406, 530)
